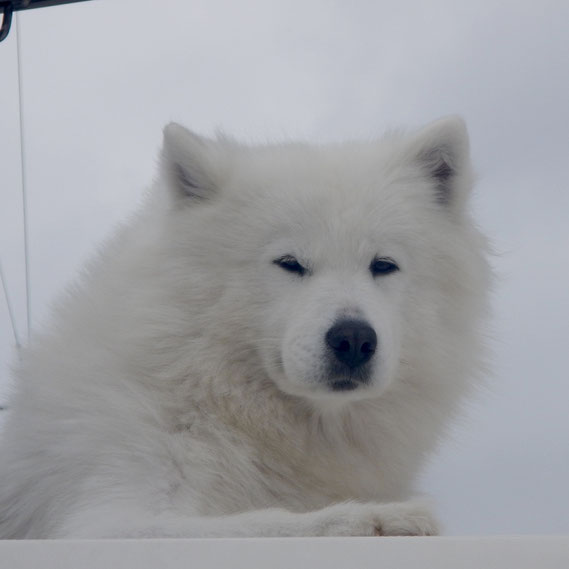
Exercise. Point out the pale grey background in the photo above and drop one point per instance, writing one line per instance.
(102, 77)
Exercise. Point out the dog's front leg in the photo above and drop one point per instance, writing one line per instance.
(345, 519)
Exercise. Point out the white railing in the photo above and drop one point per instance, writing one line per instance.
(292, 553)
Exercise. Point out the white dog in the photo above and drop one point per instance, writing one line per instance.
(271, 347)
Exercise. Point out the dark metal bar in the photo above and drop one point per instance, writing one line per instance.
(6, 11)
(7, 8)
(29, 4)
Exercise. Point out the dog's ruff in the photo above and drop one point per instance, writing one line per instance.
(270, 347)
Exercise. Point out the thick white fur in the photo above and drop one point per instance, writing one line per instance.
(181, 390)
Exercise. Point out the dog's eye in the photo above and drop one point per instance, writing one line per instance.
(384, 266)
(290, 264)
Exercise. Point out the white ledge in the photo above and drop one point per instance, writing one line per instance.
(529, 552)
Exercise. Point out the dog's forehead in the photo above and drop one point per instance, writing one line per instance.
(342, 199)
(333, 206)
(304, 176)
(334, 224)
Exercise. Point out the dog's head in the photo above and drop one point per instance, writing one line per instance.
(338, 266)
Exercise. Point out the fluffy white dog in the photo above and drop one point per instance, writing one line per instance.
(270, 347)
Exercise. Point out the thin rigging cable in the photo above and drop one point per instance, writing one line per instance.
(24, 182)
(10, 311)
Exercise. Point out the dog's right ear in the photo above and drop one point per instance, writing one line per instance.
(188, 163)
(442, 150)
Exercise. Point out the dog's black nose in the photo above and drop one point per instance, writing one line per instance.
(353, 342)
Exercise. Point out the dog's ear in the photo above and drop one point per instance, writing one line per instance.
(442, 151)
(188, 163)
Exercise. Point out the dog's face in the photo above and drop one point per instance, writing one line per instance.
(331, 258)
(334, 283)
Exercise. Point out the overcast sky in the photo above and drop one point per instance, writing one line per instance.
(102, 77)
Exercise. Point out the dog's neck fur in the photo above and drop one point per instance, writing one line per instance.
(320, 446)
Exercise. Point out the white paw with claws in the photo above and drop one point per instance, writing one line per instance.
(392, 519)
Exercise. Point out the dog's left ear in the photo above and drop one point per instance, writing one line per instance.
(441, 149)
(189, 164)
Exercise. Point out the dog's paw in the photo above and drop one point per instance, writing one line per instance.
(398, 518)
(406, 518)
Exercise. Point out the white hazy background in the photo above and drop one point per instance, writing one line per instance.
(101, 78)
